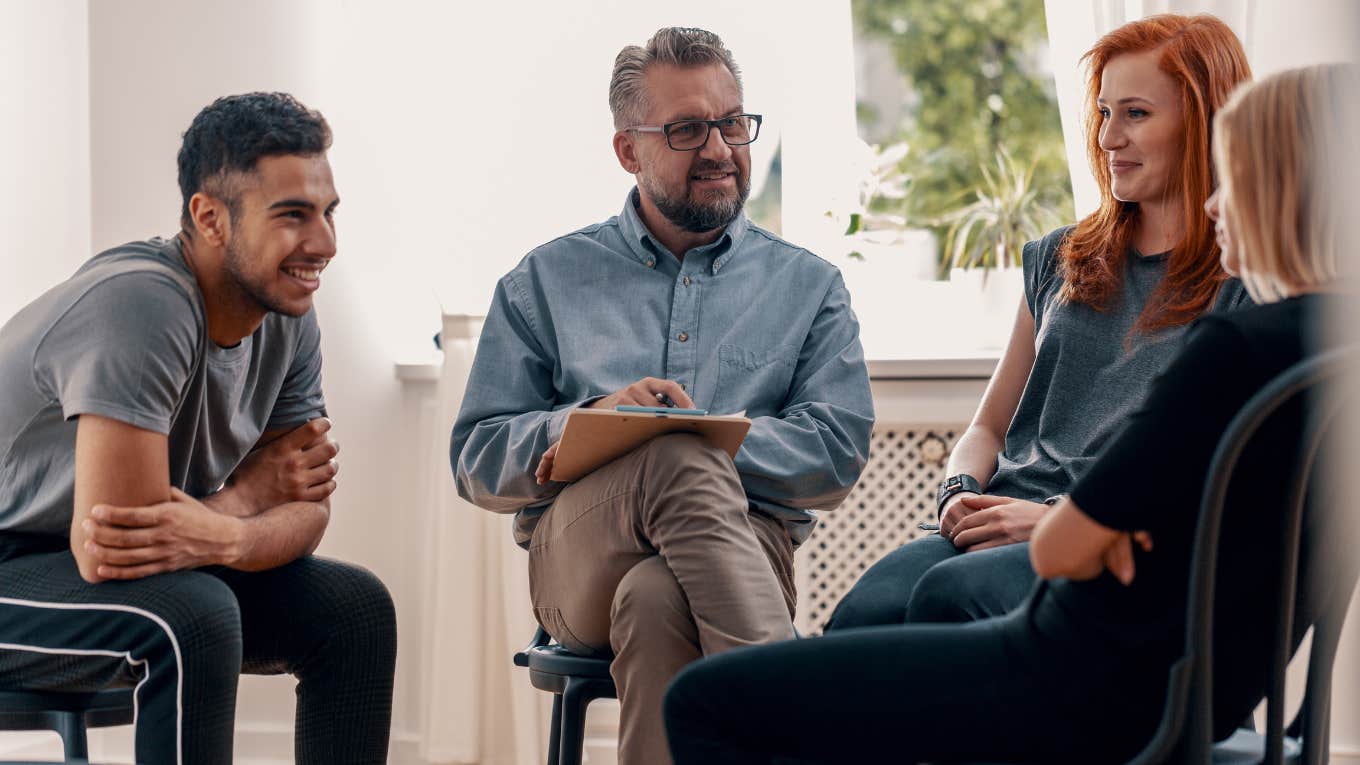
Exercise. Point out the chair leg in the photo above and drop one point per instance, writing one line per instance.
(575, 699)
(71, 727)
(555, 731)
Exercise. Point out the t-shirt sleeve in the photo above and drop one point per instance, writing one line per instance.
(1155, 466)
(300, 399)
(124, 350)
(1039, 261)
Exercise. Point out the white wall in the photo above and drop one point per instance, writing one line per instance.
(44, 147)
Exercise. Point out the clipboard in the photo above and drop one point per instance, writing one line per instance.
(595, 437)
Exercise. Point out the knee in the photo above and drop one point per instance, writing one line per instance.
(941, 595)
(878, 598)
(882, 593)
(648, 606)
(353, 606)
(686, 452)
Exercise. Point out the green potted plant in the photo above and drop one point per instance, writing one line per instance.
(1008, 211)
(984, 243)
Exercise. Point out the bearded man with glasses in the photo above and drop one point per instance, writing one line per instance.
(675, 550)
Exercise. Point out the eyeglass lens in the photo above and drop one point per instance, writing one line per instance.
(735, 131)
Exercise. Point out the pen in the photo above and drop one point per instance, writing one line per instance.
(665, 400)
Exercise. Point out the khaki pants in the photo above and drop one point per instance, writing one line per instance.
(657, 557)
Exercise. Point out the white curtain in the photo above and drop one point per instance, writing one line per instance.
(477, 708)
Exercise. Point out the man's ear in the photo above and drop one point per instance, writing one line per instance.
(210, 218)
(625, 148)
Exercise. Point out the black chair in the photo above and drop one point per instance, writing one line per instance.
(1185, 734)
(67, 713)
(574, 681)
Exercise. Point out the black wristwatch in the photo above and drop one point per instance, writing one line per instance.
(953, 485)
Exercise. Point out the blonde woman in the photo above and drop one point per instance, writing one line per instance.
(1078, 673)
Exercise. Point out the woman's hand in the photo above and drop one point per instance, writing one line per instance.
(1118, 556)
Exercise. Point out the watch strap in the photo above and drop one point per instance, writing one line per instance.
(955, 484)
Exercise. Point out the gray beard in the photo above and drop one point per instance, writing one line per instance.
(694, 216)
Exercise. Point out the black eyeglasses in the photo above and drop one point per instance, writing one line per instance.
(689, 135)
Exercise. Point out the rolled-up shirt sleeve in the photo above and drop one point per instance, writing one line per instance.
(811, 453)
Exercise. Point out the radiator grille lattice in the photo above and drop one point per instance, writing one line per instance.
(895, 492)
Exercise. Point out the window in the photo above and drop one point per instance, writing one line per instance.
(956, 107)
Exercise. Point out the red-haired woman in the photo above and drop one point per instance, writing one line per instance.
(1106, 302)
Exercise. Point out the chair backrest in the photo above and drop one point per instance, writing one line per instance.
(1186, 729)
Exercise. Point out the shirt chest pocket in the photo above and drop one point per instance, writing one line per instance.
(754, 380)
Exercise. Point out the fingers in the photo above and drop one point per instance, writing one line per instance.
(544, 472)
(319, 453)
(998, 541)
(134, 572)
(984, 501)
(133, 517)
(320, 474)
(318, 492)
(1119, 558)
(644, 393)
(308, 434)
(977, 528)
(1144, 540)
(117, 536)
(119, 556)
(954, 511)
(178, 495)
(676, 394)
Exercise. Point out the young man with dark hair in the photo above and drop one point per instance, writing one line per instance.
(165, 469)
(676, 550)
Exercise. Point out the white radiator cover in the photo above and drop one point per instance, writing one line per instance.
(895, 492)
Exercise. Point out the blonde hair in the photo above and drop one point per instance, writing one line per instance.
(1282, 147)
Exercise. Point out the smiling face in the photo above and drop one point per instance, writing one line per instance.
(1141, 129)
(283, 232)
(694, 191)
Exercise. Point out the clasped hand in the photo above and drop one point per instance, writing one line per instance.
(978, 521)
(181, 533)
(645, 392)
(299, 466)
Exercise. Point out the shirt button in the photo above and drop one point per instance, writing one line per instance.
(651, 264)
(716, 266)
(682, 337)
(686, 281)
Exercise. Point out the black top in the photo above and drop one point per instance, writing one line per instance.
(1151, 477)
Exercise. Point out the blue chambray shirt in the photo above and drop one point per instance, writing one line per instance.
(748, 322)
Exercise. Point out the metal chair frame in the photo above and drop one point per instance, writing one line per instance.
(67, 713)
(1185, 733)
(574, 681)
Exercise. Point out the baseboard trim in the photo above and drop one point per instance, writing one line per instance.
(273, 745)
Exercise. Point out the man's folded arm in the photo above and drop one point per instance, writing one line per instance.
(128, 522)
(812, 452)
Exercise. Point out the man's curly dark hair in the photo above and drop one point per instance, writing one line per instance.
(231, 134)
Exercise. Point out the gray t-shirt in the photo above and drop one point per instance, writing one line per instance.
(125, 338)
(1089, 374)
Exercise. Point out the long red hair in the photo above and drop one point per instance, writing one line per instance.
(1206, 60)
